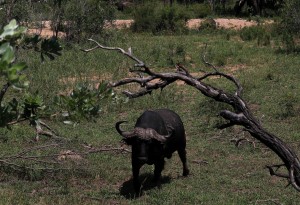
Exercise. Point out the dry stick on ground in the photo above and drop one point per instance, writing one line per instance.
(239, 115)
(46, 161)
(274, 201)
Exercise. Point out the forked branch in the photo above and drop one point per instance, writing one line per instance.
(239, 115)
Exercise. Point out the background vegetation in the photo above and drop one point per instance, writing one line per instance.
(221, 173)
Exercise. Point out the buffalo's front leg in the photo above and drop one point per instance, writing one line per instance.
(159, 166)
(136, 165)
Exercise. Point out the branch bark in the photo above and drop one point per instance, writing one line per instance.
(239, 115)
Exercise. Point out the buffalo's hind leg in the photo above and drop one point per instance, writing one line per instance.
(182, 155)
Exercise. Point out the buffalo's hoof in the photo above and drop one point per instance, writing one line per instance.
(186, 172)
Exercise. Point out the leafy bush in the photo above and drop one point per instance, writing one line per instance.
(290, 24)
(200, 10)
(171, 19)
(12, 73)
(159, 19)
(9, 70)
(258, 33)
(250, 33)
(19, 10)
(79, 18)
(291, 16)
(144, 19)
(208, 24)
(85, 101)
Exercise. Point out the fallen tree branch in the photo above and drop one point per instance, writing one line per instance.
(239, 115)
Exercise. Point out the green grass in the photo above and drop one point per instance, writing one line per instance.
(231, 175)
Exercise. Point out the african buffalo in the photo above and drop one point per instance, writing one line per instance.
(156, 135)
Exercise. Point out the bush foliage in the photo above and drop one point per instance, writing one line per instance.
(159, 19)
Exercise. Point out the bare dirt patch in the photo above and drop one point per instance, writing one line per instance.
(223, 23)
(45, 27)
(119, 24)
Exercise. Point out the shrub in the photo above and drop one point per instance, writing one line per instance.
(20, 11)
(259, 33)
(80, 18)
(159, 19)
(250, 33)
(290, 24)
(86, 101)
(208, 24)
(171, 19)
(144, 18)
(200, 10)
(291, 16)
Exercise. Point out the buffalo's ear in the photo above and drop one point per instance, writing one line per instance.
(170, 129)
(128, 141)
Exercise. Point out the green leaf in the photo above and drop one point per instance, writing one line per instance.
(4, 47)
(8, 55)
(18, 67)
(12, 30)
(3, 67)
(12, 25)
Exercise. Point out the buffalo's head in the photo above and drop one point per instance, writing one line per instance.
(147, 144)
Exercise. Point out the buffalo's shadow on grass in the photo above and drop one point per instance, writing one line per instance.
(147, 182)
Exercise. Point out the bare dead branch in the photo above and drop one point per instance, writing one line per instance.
(119, 149)
(40, 131)
(218, 73)
(17, 121)
(181, 68)
(128, 53)
(275, 173)
(200, 161)
(141, 81)
(293, 179)
(206, 62)
(268, 200)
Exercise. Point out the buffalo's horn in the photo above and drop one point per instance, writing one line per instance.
(124, 133)
(149, 133)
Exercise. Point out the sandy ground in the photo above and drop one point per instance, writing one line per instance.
(121, 24)
(223, 23)
(195, 23)
(44, 29)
